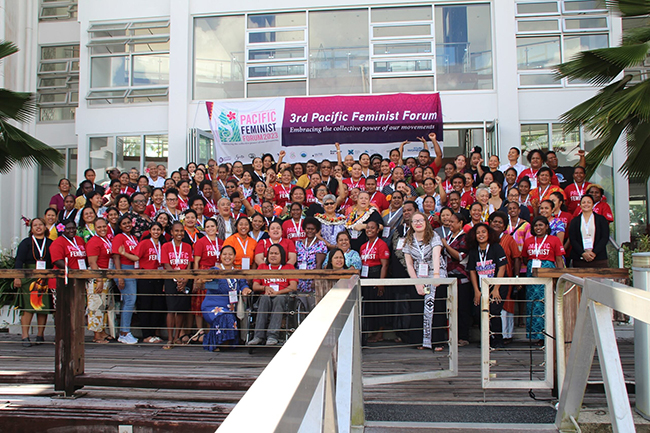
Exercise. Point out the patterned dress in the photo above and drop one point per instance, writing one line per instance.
(219, 313)
(307, 256)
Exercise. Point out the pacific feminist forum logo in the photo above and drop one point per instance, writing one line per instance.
(229, 126)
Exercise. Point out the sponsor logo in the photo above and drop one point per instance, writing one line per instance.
(303, 155)
(228, 126)
(292, 155)
(351, 152)
(316, 155)
(251, 155)
(239, 157)
(332, 152)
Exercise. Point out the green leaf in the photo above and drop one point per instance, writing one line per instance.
(630, 8)
(602, 65)
(17, 106)
(636, 35)
(638, 152)
(18, 147)
(595, 158)
(7, 49)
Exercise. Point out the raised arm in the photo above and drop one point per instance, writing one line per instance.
(338, 154)
(436, 148)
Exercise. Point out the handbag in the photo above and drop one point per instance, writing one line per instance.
(241, 307)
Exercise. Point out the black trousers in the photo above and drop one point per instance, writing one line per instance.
(151, 306)
(466, 308)
(496, 327)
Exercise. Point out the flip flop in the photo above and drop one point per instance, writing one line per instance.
(168, 346)
(101, 341)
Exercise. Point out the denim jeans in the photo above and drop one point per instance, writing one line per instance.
(128, 301)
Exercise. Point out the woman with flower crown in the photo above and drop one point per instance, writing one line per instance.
(358, 219)
(332, 223)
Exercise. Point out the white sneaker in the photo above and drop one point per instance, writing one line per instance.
(254, 342)
(271, 341)
(127, 339)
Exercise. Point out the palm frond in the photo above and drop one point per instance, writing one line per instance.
(17, 106)
(630, 8)
(18, 147)
(631, 102)
(7, 48)
(602, 65)
(600, 153)
(637, 35)
(638, 153)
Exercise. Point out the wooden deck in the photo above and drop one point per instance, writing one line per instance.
(36, 408)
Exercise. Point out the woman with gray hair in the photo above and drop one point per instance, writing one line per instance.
(332, 223)
(225, 220)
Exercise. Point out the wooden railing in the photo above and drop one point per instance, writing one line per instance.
(69, 374)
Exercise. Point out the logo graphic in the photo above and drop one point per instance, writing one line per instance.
(350, 152)
(303, 155)
(292, 155)
(251, 155)
(228, 127)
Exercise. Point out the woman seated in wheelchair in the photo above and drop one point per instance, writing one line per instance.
(219, 304)
(274, 297)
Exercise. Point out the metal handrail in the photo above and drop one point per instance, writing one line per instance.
(559, 324)
(302, 370)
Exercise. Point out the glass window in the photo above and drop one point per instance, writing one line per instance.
(401, 31)
(541, 52)
(101, 156)
(402, 84)
(575, 44)
(277, 88)
(265, 54)
(534, 136)
(584, 5)
(399, 66)
(565, 145)
(585, 23)
(396, 48)
(464, 47)
(150, 69)
(109, 72)
(290, 19)
(528, 26)
(58, 83)
(275, 71)
(536, 8)
(58, 10)
(543, 79)
(128, 150)
(219, 57)
(414, 13)
(279, 36)
(338, 52)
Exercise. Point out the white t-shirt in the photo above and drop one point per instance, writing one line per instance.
(158, 183)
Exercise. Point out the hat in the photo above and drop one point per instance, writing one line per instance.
(110, 169)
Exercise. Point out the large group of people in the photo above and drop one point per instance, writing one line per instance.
(388, 217)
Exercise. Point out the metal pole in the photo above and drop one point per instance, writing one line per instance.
(641, 273)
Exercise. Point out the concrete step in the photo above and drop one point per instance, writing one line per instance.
(384, 427)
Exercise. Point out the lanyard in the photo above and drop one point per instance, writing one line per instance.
(259, 235)
(445, 235)
(177, 255)
(193, 239)
(222, 185)
(65, 216)
(133, 241)
(392, 215)
(538, 249)
(124, 191)
(243, 246)
(525, 202)
(356, 185)
(284, 189)
(383, 182)
(510, 224)
(482, 258)
(232, 283)
(76, 247)
(417, 244)
(542, 194)
(297, 228)
(373, 196)
(534, 173)
(41, 249)
(369, 249)
(156, 249)
(451, 240)
(182, 201)
(366, 174)
(308, 247)
(586, 223)
(109, 245)
(581, 191)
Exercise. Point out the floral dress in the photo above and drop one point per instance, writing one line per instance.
(306, 259)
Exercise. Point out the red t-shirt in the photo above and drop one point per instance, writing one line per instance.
(361, 183)
(129, 242)
(208, 251)
(566, 218)
(282, 194)
(74, 250)
(128, 190)
(210, 209)
(532, 175)
(379, 200)
(467, 199)
(183, 204)
(549, 249)
(601, 208)
(293, 231)
(282, 283)
(148, 253)
(100, 248)
(373, 252)
(309, 196)
(151, 210)
(264, 245)
(169, 252)
(574, 194)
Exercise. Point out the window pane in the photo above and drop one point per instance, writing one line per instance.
(156, 148)
(585, 23)
(397, 66)
(396, 31)
(54, 67)
(128, 150)
(48, 182)
(274, 88)
(205, 148)
(53, 82)
(150, 69)
(52, 114)
(109, 72)
(101, 156)
(405, 48)
(276, 54)
(537, 8)
(281, 36)
(575, 44)
(290, 19)
(538, 53)
(538, 80)
(219, 57)
(53, 98)
(538, 25)
(534, 136)
(415, 13)
(338, 52)
(60, 52)
(464, 47)
(565, 145)
(275, 70)
(583, 5)
(402, 84)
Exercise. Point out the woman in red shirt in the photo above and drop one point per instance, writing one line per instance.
(68, 251)
(177, 255)
(273, 302)
(150, 303)
(156, 206)
(282, 190)
(374, 264)
(99, 252)
(542, 250)
(292, 228)
(275, 237)
(123, 242)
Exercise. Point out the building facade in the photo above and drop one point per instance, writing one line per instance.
(125, 82)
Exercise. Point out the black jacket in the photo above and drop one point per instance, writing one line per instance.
(600, 239)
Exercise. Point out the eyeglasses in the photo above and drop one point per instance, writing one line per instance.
(139, 201)
(330, 203)
(417, 222)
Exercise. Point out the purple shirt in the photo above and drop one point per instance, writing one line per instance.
(57, 199)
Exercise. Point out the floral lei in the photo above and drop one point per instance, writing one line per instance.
(354, 218)
(330, 221)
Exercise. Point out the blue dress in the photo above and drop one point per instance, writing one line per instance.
(219, 313)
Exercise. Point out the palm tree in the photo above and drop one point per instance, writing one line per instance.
(622, 106)
(16, 146)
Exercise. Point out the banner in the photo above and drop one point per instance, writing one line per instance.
(307, 128)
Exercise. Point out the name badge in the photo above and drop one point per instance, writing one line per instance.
(386, 232)
(536, 263)
(245, 263)
(427, 289)
(533, 182)
(354, 234)
(161, 268)
(275, 287)
(111, 265)
(423, 270)
(302, 266)
(40, 264)
(588, 243)
(400, 243)
(136, 265)
(82, 264)
(364, 271)
(232, 296)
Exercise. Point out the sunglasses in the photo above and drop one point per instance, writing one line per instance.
(330, 203)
